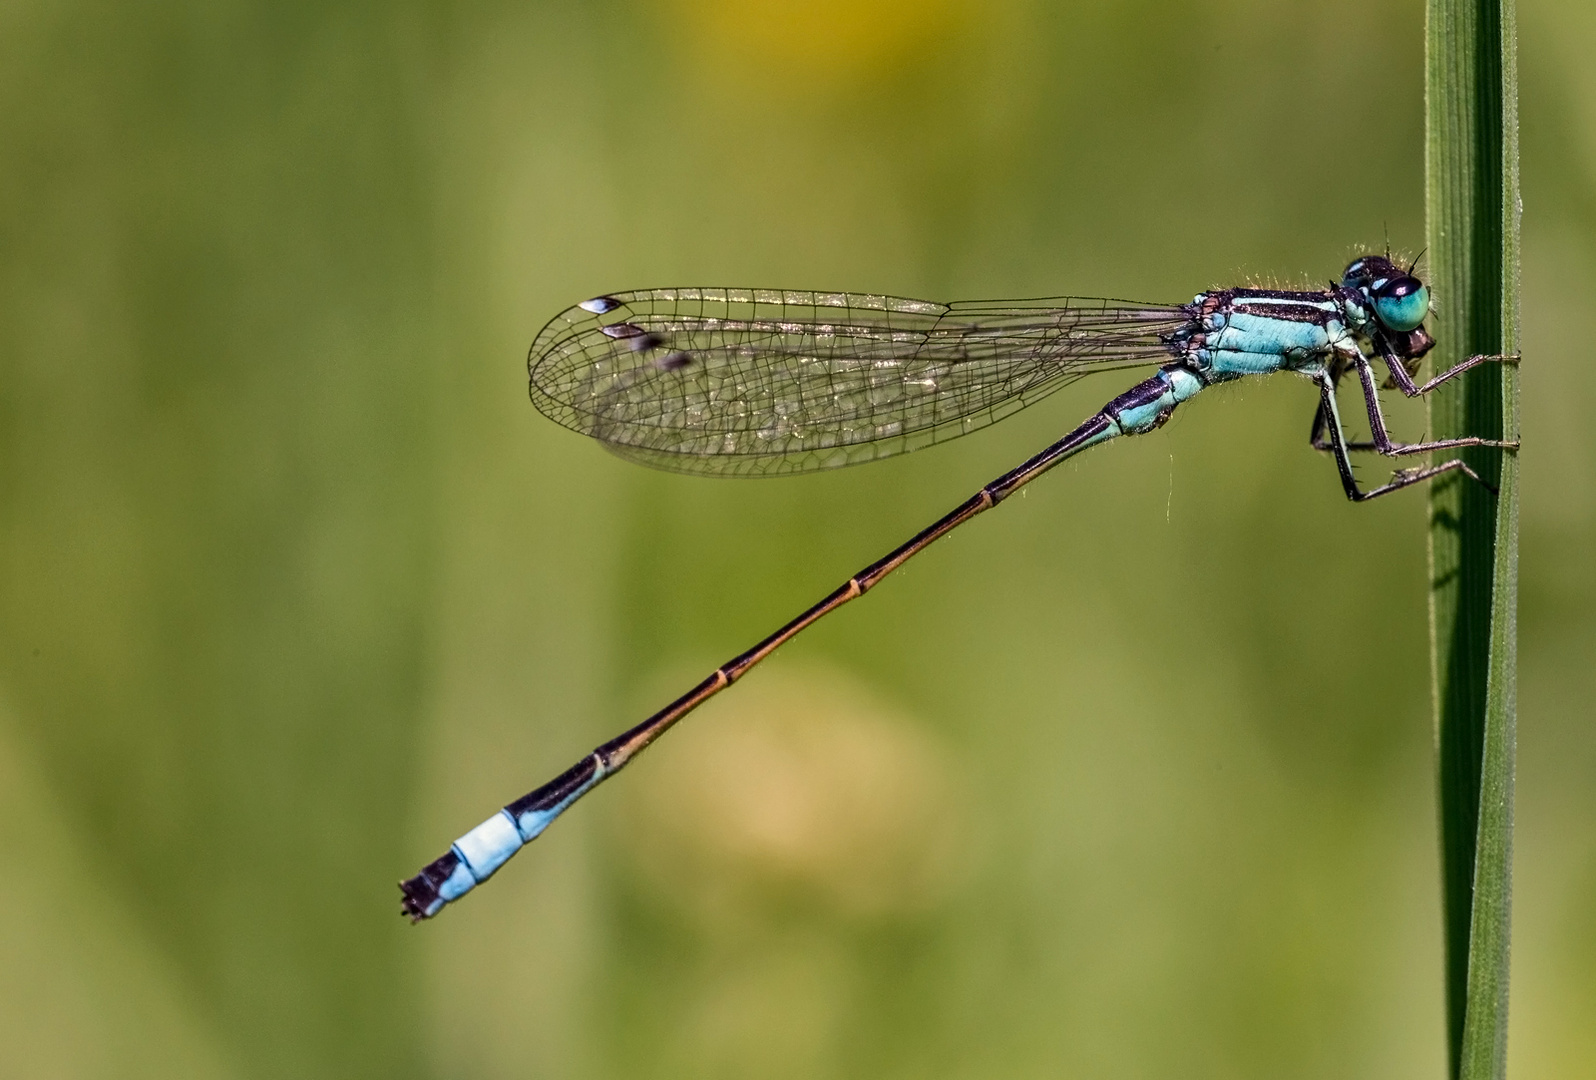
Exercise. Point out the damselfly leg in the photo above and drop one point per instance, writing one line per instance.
(1381, 441)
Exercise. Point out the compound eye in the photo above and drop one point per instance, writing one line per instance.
(1366, 268)
(1401, 303)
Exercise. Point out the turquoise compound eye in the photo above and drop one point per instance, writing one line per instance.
(1401, 304)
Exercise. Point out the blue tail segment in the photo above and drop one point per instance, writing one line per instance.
(474, 857)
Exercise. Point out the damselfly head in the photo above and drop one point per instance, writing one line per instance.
(1399, 300)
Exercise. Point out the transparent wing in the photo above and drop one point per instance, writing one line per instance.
(756, 382)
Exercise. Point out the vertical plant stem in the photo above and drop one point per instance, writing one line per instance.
(1471, 164)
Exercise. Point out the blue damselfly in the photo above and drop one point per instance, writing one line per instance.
(751, 382)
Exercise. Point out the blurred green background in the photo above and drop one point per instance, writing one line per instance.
(1131, 779)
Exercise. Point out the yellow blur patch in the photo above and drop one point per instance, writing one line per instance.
(801, 785)
(828, 39)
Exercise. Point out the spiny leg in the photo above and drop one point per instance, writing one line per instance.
(1400, 479)
(1382, 441)
(1316, 436)
(1319, 441)
(1404, 382)
(1382, 437)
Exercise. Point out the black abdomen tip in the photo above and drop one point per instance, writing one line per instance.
(422, 898)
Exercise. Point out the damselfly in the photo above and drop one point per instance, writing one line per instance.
(751, 382)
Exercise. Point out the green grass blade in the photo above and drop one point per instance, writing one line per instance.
(1471, 160)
